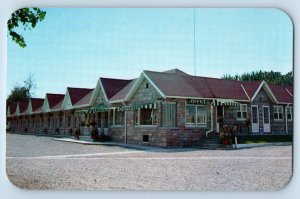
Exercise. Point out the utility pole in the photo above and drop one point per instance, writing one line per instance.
(195, 68)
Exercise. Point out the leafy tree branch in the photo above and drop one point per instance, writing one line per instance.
(28, 18)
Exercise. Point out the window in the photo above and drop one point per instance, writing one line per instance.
(146, 115)
(111, 118)
(145, 138)
(289, 113)
(278, 112)
(136, 116)
(119, 117)
(190, 115)
(54, 122)
(60, 121)
(241, 114)
(69, 122)
(196, 115)
(147, 86)
(168, 114)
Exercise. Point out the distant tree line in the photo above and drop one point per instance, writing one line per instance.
(267, 76)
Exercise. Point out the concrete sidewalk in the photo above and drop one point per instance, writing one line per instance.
(134, 146)
(142, 147)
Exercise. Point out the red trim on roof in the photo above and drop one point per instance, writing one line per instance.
(281, 93)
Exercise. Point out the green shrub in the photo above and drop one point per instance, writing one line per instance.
(246, 139)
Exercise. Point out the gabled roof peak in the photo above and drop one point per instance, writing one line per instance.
(175, 71)
(114, 79)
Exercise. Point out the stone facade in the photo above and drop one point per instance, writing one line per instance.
(179, 135)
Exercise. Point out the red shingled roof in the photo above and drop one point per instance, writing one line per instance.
(54, 99)
(177, 83)
(123, 92)
(36, 104)
(172, 84)
(12, 108)
(290, 89)
(77, 94)
(113, 86)
(281, 93)
(184, 85)
(85, 100)
(23, 106)
(251, 87)
(227, 89)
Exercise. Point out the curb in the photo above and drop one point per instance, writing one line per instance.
(244, 146)
(105, 144)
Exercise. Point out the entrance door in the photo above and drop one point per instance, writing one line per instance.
(220, 114)
(255, 119)
(105, 123)
(266, 119)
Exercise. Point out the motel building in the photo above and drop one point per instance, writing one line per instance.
(163, 109)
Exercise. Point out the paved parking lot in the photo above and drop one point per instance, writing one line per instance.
(43, 163)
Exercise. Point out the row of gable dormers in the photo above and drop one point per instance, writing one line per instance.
(169, 84)
(177, 84)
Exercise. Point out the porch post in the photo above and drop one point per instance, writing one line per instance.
(125, 125)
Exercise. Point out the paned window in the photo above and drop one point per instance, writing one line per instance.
(289, 113)
(196, 115)
(242, 112)
(119, 117)
(146, 115)
(278, 112)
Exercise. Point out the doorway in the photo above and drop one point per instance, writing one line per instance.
(219, 114)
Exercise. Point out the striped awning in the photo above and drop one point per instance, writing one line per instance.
(98, 108)
(94, 109)
(103, 107)
(224, 102)
(137, 106)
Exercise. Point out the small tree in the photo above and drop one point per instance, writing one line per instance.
(22, 93)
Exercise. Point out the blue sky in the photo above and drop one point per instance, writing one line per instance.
(74, 47)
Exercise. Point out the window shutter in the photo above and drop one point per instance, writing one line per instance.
(168, 114)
